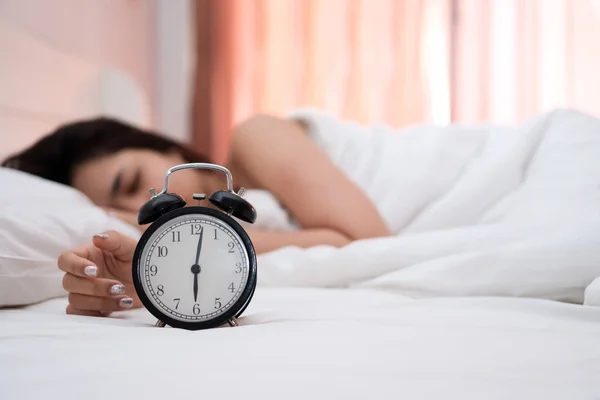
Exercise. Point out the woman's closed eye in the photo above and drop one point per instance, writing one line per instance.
(126, 184)
(133, 186)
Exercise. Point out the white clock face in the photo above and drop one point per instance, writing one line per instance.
(194, 268)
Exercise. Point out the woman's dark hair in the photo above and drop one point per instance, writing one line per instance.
(56, 155)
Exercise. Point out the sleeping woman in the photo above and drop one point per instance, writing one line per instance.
(115, 164)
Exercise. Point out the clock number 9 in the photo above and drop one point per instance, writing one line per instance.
(196, 309)
(153, 270)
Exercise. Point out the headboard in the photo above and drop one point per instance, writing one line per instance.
(41, 87)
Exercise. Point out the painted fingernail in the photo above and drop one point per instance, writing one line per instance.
(102, 235)
(117, 289)
(126, 302)
(91, 270)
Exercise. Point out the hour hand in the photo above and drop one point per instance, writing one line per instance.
(195, 288)
(195, 271)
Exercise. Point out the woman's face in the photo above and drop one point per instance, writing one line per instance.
(122, 180)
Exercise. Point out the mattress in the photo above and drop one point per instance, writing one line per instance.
(299, 343)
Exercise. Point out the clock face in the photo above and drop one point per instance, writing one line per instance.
(193, 268)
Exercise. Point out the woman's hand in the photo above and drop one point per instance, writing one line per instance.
(98, 275)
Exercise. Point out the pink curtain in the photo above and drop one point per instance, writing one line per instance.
(384, 60)
(393, 61)
(515, 58)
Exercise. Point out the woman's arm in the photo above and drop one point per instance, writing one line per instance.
(265, 241)
(277, 155)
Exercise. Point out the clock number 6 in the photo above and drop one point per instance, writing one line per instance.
(196, 309)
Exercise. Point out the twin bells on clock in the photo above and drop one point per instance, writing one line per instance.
(225, 200)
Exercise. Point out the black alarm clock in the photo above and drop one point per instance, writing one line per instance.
(195, 267)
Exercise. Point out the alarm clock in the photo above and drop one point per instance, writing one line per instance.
(195, 267)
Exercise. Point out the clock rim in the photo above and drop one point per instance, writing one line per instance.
(234, 311)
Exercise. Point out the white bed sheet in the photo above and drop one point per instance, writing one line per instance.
(299, 343)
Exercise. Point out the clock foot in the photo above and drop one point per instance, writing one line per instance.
(233, 321)
(159, 324)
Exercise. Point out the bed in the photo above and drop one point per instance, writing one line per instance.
(403, 317)
(299, 343)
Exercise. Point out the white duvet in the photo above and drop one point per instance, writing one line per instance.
(491, 226)
(478, 210)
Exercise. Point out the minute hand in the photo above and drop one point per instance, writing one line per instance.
(199, 247)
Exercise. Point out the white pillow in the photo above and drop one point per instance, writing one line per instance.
(39, 219)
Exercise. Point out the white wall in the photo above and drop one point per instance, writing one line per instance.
(151, 40)
(118, 33)
(175, 65)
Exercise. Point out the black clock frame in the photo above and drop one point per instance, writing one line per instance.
(234, 311)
